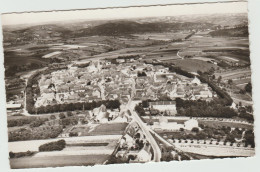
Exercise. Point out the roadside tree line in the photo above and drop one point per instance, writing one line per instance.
(110, 104)
(34, 134)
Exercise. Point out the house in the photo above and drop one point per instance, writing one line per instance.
(167, 126)
(144, 155)
(13, 106)
(100, 114)
(196, 81)
(127, 141)
(191, 123)
(163, 105)
(108, 63)
(96, 93)
(161, 69)
(120, 60)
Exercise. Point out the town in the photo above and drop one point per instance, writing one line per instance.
(107, 94)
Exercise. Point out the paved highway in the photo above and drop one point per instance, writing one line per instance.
(146, 130)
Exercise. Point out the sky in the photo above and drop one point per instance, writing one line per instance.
(120, 13)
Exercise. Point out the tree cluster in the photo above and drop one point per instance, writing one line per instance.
(68, 121)
(140, 109)
(117, 160)
(129, 57)
(33, 121)
(53, 146)
(20, 154)
(200, 108)
(226, 99)
(140, 74)
(34, 134)
(38, 122)
(110, 104)
(248, 88)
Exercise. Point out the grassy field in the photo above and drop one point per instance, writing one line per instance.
(193, 65)
(33, 145)
(57, 161)
(101, 129)
(235, 74)
(162, 36)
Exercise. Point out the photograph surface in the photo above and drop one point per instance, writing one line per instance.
(128, 85)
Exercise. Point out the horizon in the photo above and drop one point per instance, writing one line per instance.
(116, 19)
(37, 18)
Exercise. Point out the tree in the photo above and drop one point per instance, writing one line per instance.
(69, 113)
(219, 79)
(52, 117)
(211, 70)
(11, 154)
(62, 116)
(195, 129)
(250, 138)
(181, 129)
(53, 146)
(230, 81)
(230, 138)
(248, 87)
(145, 104)
(199, 72)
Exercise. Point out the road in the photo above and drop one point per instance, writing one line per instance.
(146, 130)
(179, 55)
(243, 101)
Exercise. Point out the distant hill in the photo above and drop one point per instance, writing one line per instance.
(241, 31)
(70, 29)
(38, 32)
(216, 19)
(131, 27)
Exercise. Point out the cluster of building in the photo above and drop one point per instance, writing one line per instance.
(103, 115)
(164, 125)
(103, 80)
(134, 146)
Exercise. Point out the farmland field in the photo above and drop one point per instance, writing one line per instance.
(79, 151)
(101, 129)
(57, 161)
(162, 36)
(33, 145)
(193, 65)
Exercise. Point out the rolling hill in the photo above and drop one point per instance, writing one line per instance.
(113, 28)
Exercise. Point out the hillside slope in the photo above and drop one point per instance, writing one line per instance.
(233, 32)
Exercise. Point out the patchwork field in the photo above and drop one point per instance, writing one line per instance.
(79, 151)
